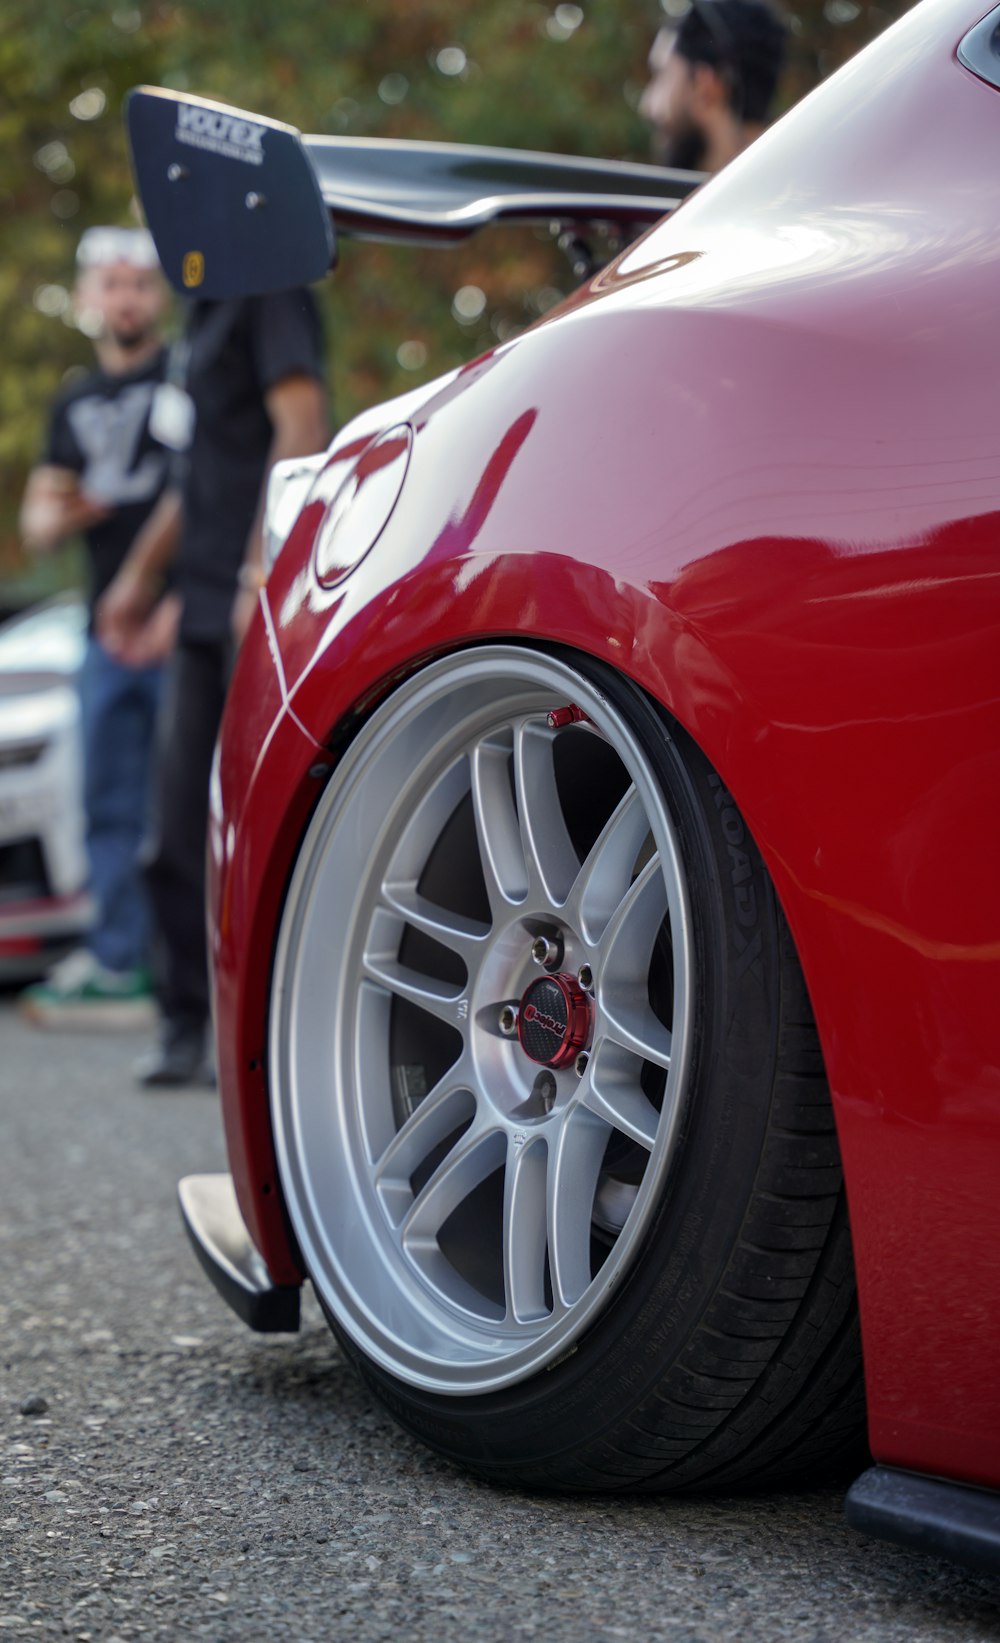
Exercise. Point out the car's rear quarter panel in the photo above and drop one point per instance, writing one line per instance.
(769, 491)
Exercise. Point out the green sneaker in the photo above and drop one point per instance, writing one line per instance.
(79, 992)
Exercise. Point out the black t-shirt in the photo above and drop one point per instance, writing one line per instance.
(99, 428)
(237, 351)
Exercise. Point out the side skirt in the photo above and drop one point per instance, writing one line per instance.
(952, 1520)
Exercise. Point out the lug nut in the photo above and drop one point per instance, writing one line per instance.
(508, 1021)
(547, 951)
(585, 976)
(580, 1064)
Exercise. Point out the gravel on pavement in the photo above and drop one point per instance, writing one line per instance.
(166, 1475)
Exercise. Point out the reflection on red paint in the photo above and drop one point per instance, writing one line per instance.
(362, 506)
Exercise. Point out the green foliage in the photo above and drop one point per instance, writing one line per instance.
(531, 79)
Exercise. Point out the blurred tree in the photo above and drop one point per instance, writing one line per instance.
(519, 73)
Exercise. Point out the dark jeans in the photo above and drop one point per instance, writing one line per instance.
(194, 694)
(118, 707)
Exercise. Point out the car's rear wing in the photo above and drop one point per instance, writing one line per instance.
(237, 203)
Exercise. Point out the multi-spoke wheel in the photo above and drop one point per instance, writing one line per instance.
(525, 1031)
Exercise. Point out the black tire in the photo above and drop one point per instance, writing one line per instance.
(729, 1355)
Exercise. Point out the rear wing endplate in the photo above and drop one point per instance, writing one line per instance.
(231, 200)
(238, 204)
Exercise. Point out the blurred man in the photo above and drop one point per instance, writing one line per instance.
(255, 378)
(101, 474)
(713, 76)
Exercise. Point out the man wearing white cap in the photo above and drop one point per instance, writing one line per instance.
(101, 474)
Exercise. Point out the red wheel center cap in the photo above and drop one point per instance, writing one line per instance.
(553, 1023)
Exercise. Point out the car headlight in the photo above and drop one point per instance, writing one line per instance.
(29, 721)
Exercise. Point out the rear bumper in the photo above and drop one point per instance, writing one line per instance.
(952, 1520)
(222, 1244)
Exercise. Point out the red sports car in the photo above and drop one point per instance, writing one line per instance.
(605, 907)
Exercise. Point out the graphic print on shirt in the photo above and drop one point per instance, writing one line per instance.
(108, 433)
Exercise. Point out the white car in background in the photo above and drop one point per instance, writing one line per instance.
(44, 905)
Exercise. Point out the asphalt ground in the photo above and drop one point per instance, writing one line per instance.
(188, 1479)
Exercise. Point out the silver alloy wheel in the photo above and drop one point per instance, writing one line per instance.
(464, 1210)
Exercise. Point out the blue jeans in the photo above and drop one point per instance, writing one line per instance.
(118, 709)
